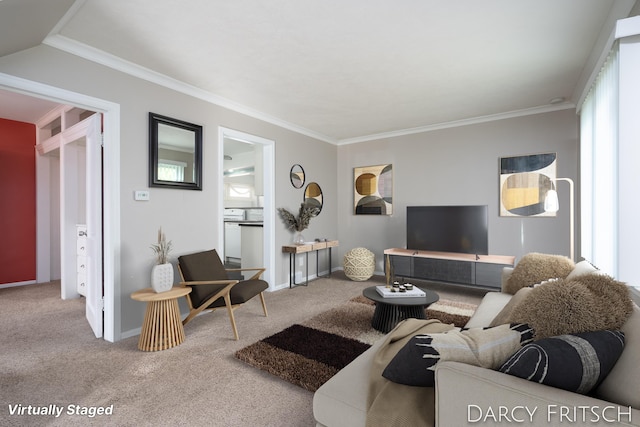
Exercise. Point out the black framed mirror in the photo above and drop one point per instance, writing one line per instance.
(313, 196)
(175, 153)
(297, 176)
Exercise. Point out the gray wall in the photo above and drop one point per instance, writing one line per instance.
(189, 218)
(459, 166)
(451, 166)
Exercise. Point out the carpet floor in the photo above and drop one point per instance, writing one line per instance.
(309, 354)
(49, 356)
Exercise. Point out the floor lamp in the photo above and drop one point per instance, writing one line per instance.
(551, 204)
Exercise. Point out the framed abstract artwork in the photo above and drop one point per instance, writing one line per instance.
(373, 190)
(524, 182)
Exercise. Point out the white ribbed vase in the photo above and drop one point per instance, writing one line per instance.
(162, 277)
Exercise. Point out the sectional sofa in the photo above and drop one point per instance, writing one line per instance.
(467, 395)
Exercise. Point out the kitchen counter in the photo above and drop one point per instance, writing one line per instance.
(244, 221)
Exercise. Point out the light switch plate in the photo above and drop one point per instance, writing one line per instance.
(141, 195)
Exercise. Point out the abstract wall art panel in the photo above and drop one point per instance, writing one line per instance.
(373, 190)
(524, 182)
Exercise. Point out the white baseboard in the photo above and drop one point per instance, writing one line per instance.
(14, 284)
(301, 279)
(130, 333)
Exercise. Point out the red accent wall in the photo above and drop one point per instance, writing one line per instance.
(17, 201)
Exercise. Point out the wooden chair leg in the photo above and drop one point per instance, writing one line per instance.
(190, 316)
(227, 300)
(264, 306)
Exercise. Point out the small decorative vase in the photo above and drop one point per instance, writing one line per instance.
(162, 277)
(298, 238)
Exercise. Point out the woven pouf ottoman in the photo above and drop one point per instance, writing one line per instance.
(359, 264)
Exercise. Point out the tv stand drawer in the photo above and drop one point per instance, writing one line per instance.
(401, 266)
(444, 270)
(489, 274)
(464, 269)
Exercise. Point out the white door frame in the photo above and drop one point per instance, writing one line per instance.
(268, 150)
(111, 188)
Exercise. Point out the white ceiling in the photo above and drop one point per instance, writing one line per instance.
(14, 106)
(339, 70)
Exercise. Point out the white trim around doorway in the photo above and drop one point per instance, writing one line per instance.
(268, 153)
(111, 189)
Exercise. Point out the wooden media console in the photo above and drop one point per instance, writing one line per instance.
(465, 269)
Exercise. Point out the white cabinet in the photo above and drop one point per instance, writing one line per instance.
(252, 251)
(81, 259)
(232, 240)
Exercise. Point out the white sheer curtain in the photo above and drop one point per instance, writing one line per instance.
(598, 169)
(169, 170)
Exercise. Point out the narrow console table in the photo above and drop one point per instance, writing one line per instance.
(162, 327)
(465, 269)
(316, 247)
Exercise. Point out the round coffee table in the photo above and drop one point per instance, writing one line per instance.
(390, 311)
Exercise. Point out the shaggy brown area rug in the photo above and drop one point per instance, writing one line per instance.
(308, 354)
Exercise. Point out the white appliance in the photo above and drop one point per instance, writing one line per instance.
(232, 236)
(233, 214)
(254, 215)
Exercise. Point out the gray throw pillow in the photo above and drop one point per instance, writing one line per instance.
(578, 362)
(415, 363)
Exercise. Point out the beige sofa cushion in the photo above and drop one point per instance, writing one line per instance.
(505, 314)
(459, 385)
(491, 304)
(622, 385)
(535, 268)
(583, 267)
(342, 401)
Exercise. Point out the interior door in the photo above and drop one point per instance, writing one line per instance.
(94, 298)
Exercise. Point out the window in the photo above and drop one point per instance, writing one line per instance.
(598, 169)
(169, 170)
(239, 192)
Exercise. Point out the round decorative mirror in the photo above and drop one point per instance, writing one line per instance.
(297, 176)
(313, 196)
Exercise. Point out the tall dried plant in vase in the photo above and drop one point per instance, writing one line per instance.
(300, 222)
(162, 272)
(162, 248)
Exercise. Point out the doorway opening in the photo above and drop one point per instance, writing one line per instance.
(106, 240)
(69, 149)
(246, 193)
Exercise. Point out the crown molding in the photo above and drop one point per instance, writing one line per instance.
(108, 60)
(458, 123)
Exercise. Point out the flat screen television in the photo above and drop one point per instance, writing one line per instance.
(461, 229)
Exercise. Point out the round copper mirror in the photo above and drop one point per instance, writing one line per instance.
(313, 196)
